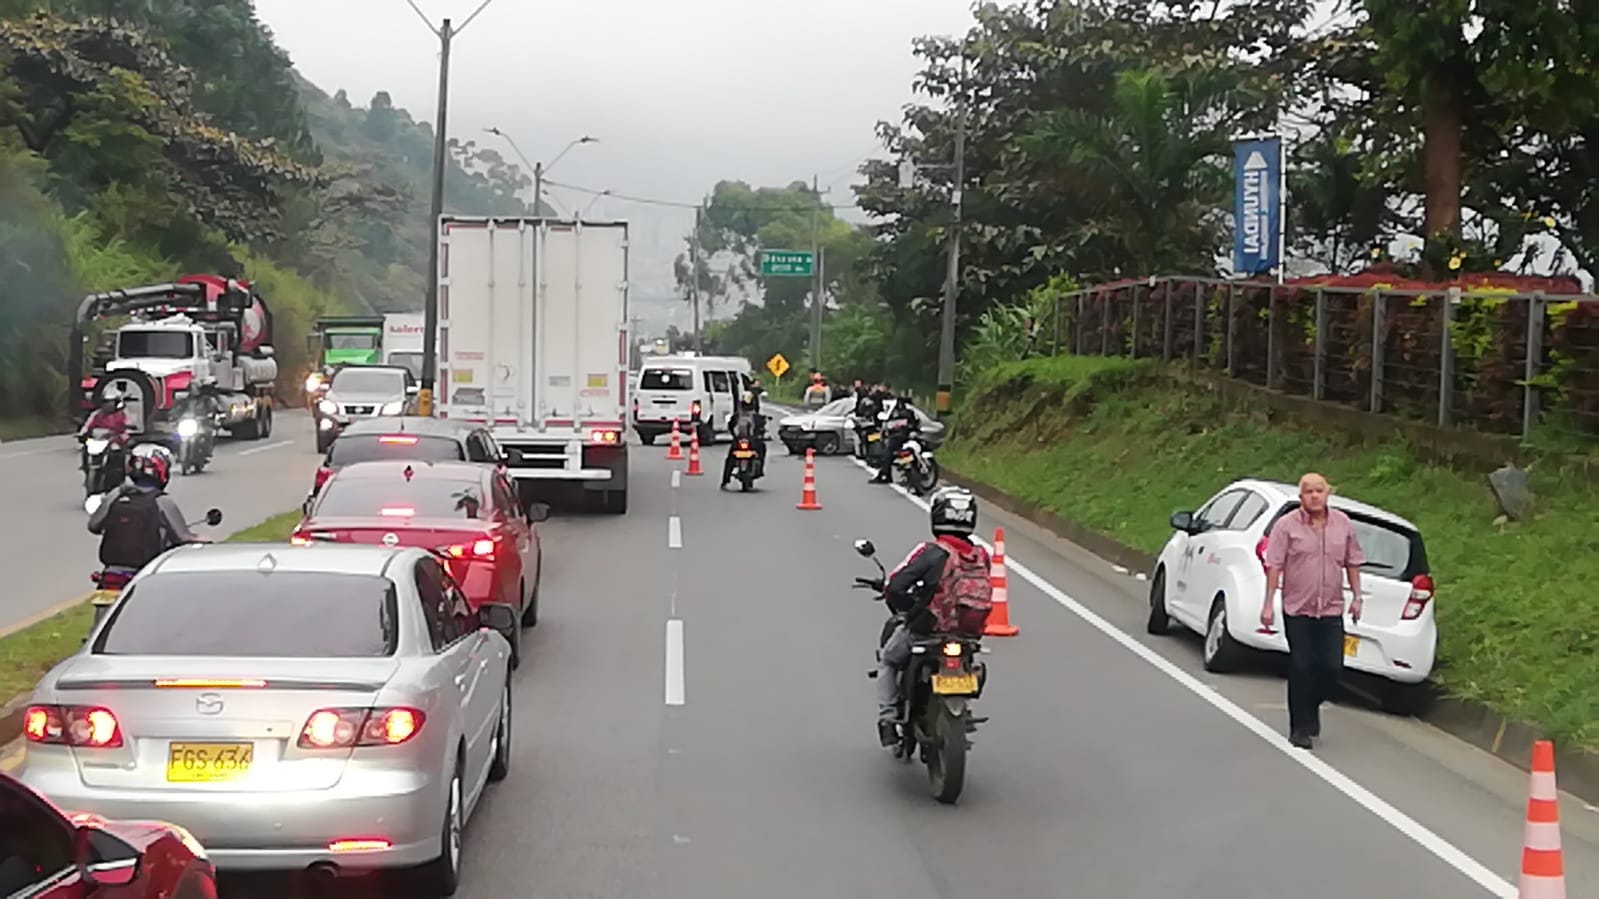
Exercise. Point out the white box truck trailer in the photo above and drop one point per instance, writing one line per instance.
(402, 340)
(533, 341)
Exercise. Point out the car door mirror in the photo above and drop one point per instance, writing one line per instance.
(512, 456)
(98, 871)
(1183, 521)
(498, 616)
(412, 390)
(213, 517)
(538, 512)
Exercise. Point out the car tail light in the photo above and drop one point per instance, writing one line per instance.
(360, 845)
(477, 549)
(1420, 595)
(346, 728)
(1260, 553)
(90, 727)
(397, 512)
(605, 438)
(397, 440)
(299, 540)
(322, 474)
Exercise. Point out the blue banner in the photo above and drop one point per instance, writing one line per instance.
(1257, 205)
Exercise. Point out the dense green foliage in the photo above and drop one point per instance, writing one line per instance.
(143, 139)
(1098, 148)
(1112, 444)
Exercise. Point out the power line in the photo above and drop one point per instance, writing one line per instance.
(675, 204)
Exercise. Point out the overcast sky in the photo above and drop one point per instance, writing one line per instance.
(680, 93)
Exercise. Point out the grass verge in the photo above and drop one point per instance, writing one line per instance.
(26, 655)
(28, 426)
(1106, 443)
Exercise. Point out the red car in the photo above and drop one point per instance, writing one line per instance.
(47, 854)
(465, 512)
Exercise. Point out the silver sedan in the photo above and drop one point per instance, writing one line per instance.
(831, 429)
(337, 708)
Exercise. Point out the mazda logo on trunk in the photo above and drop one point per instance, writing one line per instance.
(208, 703)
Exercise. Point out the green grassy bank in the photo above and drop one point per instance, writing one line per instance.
(1110, 444)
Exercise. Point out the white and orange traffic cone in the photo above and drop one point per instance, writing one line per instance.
(999, 620)
(675, 454)
(694, 453)
(808, 485)
(1543, 870)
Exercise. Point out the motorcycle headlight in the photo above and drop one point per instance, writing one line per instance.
(313, 383)
(392, 408)
(188, 427)
(327, 407)
(96, 446)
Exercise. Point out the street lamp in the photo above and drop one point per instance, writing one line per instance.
(584, 214)
(540, 168)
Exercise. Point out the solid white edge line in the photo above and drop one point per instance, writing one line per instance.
(674, 533)
(1445, 851)
(261, 449)
(674, 661)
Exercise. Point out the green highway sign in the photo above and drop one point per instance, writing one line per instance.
(788, 263)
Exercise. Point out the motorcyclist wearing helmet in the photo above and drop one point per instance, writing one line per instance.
(922, 610)
(138, 521)
(108, 416)
(908, 425)
(747, 422)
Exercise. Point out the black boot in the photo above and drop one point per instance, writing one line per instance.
(887, 733)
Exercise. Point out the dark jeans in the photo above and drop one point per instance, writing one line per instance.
(1315, 659)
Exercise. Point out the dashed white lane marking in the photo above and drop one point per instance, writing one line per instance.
(674, 661)
(674, 533)
(270, 446)
(1446, 851)
(677, 478)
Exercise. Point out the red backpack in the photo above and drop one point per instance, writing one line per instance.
(965, 595)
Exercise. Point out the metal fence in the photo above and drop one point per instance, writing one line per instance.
(1488, 359)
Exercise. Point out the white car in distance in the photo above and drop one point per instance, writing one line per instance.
(1211, 575)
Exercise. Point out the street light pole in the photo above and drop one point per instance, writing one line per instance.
(946, 336)
(430, 304)
(539, 168)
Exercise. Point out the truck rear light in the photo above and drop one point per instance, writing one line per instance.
(1420, 595)
(605, 438)
(346, 728)
(90, 727)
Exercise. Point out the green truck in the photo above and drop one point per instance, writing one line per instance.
(348, 340)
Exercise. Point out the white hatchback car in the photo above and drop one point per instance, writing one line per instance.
(1211, 576)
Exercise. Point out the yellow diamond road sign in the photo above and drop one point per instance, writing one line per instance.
(777, 365)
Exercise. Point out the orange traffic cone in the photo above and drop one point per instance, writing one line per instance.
(694, 453)
(675, 454)
(999, 620)
(808, 486)
(1543, 874)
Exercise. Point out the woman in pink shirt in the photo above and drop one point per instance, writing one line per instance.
(1309, 554)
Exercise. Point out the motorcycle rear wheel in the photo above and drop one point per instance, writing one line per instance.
(946, 763)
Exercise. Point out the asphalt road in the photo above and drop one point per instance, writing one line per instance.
(43, 531)
(742, 762)
(694, 722)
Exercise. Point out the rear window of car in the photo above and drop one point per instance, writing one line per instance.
(1391, 550)
(352, 448)
(398, 498)
(285, 614)
(666, 379)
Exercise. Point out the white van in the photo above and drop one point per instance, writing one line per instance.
(675, 388)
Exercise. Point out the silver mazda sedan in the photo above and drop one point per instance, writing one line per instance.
(334, 707)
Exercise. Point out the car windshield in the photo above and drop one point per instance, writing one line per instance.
(410, 361)
(666, 379)
(398, 498)
(155, 345)
(352, 448)
(358, 380)
(285, 614)
(352, 340)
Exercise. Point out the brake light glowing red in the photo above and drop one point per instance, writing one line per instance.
(605, 438)
(478, 549)
(346, 728)
(398, 440)
(90, 727)
(299, 540)
(361, 845)
(397, 512)
(322, 475)
(1421, 591)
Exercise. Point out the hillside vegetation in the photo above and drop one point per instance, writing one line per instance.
(144, 139)
(1117, 446)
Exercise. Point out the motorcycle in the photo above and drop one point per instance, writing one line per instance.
(194, 440)
(937, 686)
(746, 464)
(869, 440)
(102, 461)
(916, 467)
(110, 581)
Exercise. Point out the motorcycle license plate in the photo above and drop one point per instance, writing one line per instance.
(103, 597)
(903, 460)
(743, 454)
(956, 684)
(873, 437)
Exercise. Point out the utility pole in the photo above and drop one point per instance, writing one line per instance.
(430, 305)
(946, 337)
(694, 276)
(816, 276)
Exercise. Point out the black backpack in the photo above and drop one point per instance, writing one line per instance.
(132, 537)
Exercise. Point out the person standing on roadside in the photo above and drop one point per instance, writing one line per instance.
(1309, 554)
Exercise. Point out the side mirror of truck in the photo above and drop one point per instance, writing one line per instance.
(266, 352)
(412, 390)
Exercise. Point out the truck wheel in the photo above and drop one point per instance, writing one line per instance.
(249, 429)
(265, 429)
